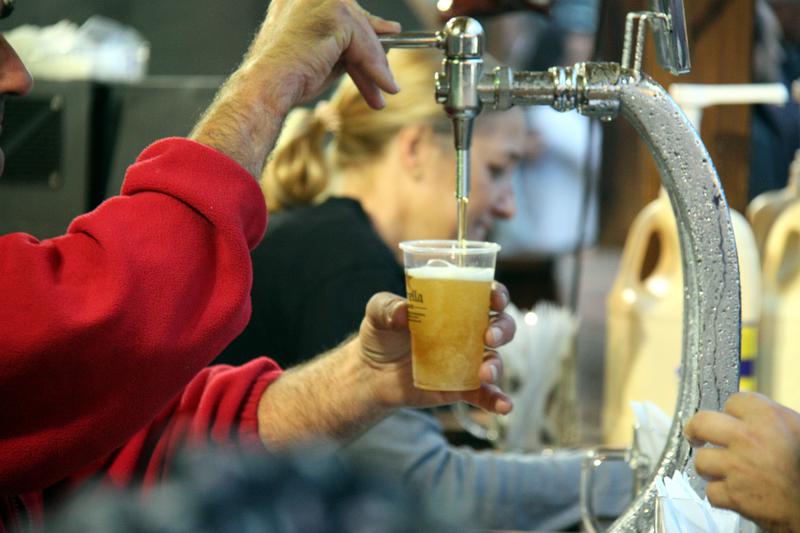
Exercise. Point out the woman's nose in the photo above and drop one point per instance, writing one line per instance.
(504, 205)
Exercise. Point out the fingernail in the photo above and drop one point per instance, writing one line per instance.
(497, 334)
(396, 305)
(505, 406)
(503, 294)
(395, 87)
(393, 307)
(494, 373)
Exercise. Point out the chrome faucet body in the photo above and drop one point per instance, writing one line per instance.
(462, 41)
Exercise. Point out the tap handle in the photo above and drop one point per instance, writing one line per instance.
(671, 38)
(668, 21)
(413, 40)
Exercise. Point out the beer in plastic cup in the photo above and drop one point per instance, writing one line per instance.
(448, 287)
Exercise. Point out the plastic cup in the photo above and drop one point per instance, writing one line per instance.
(448, 287)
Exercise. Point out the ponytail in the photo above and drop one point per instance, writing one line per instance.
(299, 169)
(296, 172)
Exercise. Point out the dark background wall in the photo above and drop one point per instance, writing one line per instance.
(187, 37)
(91, 132)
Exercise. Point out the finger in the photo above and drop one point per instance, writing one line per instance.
(711, 427)
(500, 298)
(500, 331)
(718, 495)
(387, 311)
(366, 55)
(362, 57)
(711, 463)
(490, 398)
(743, 404)
(491, 369)
(381, 25)
(366, 86)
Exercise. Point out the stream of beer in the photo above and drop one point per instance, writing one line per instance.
(462, 194)
(462, 204)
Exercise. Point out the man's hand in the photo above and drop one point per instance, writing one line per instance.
(755, 471)
(384, 345)
(315, 41)
(302, 46)
(340, 393)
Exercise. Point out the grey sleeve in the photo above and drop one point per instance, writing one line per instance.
(485, 489)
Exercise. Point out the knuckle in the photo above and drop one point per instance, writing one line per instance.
(700, 419)
(341, 11)
(715, 493)
(733, 401)
(736, 498)
(740, 435)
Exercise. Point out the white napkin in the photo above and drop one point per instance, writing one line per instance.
(532, 368)
(651, 429)
(680, 510)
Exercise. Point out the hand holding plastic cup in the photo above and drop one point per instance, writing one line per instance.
(449, 288)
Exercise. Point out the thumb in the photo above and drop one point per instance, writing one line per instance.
(384, 331)
(387, 311)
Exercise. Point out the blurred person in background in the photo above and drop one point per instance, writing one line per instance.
(550, 186)
(351, 184)
(308, 490)
(107, 329)
(775, 129)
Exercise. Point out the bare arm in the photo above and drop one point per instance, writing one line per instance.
(301, 47)
(339, 394)
(325, 397)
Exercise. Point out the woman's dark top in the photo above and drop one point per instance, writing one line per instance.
(314, 273)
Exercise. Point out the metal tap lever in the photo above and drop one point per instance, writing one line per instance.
(672, 41)
(413, 40)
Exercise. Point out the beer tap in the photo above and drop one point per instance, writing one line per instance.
(606, 90)
(462, 41)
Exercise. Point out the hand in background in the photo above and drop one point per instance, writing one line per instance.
(755, 470)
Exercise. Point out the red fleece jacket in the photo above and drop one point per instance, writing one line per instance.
(102, 329)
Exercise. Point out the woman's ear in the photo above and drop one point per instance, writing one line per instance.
(413, 144)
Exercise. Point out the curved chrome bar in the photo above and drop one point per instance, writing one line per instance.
(711, 315)
(711, 338)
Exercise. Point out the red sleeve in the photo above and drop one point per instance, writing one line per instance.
(101, 327)
(219, 406)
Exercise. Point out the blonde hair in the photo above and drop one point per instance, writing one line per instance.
(298, 171)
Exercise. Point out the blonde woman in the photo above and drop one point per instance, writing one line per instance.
(345, 186)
